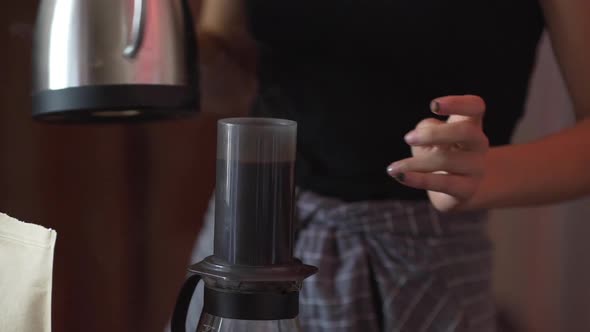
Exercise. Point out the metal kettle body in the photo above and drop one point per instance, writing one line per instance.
(105, 59)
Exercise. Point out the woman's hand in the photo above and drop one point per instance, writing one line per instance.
(448, 157)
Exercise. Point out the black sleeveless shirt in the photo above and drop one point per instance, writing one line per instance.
(359, 74)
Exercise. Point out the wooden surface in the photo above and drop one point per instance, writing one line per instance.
(126, 201)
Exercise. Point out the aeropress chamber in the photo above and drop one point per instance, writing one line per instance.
(252, 281)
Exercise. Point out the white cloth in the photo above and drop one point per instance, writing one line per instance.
(26, 268)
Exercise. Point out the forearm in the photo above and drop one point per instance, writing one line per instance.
(550, 170)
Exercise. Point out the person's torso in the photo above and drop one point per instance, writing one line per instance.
(357, 75)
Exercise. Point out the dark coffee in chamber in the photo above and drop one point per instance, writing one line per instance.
(254, 212)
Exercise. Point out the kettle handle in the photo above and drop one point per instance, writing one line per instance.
(137, 28)
(183, 302)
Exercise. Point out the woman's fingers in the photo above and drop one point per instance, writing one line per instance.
(448, 157)
(468, 106)
(435, 160)
(458, 186)
(463, 134)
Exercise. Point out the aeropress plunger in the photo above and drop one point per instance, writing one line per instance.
(252, 280)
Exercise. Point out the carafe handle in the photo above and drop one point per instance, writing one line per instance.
(183, 302)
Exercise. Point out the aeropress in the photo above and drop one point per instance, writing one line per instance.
(252, 281)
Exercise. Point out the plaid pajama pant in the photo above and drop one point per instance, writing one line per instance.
(387, 266)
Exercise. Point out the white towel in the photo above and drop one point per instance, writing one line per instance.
(26, 267)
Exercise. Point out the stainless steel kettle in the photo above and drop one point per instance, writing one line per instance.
(104, 60)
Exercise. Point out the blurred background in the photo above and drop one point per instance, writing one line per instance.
(127, 203)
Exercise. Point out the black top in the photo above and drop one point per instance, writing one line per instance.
(359, 74)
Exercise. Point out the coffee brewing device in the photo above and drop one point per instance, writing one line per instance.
(252, 280)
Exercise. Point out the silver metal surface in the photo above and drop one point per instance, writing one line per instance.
(83, 42)
(136, 30)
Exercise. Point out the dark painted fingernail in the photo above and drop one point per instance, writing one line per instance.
(400, 177)
(435, 107)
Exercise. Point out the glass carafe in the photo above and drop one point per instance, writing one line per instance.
(210, 323)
